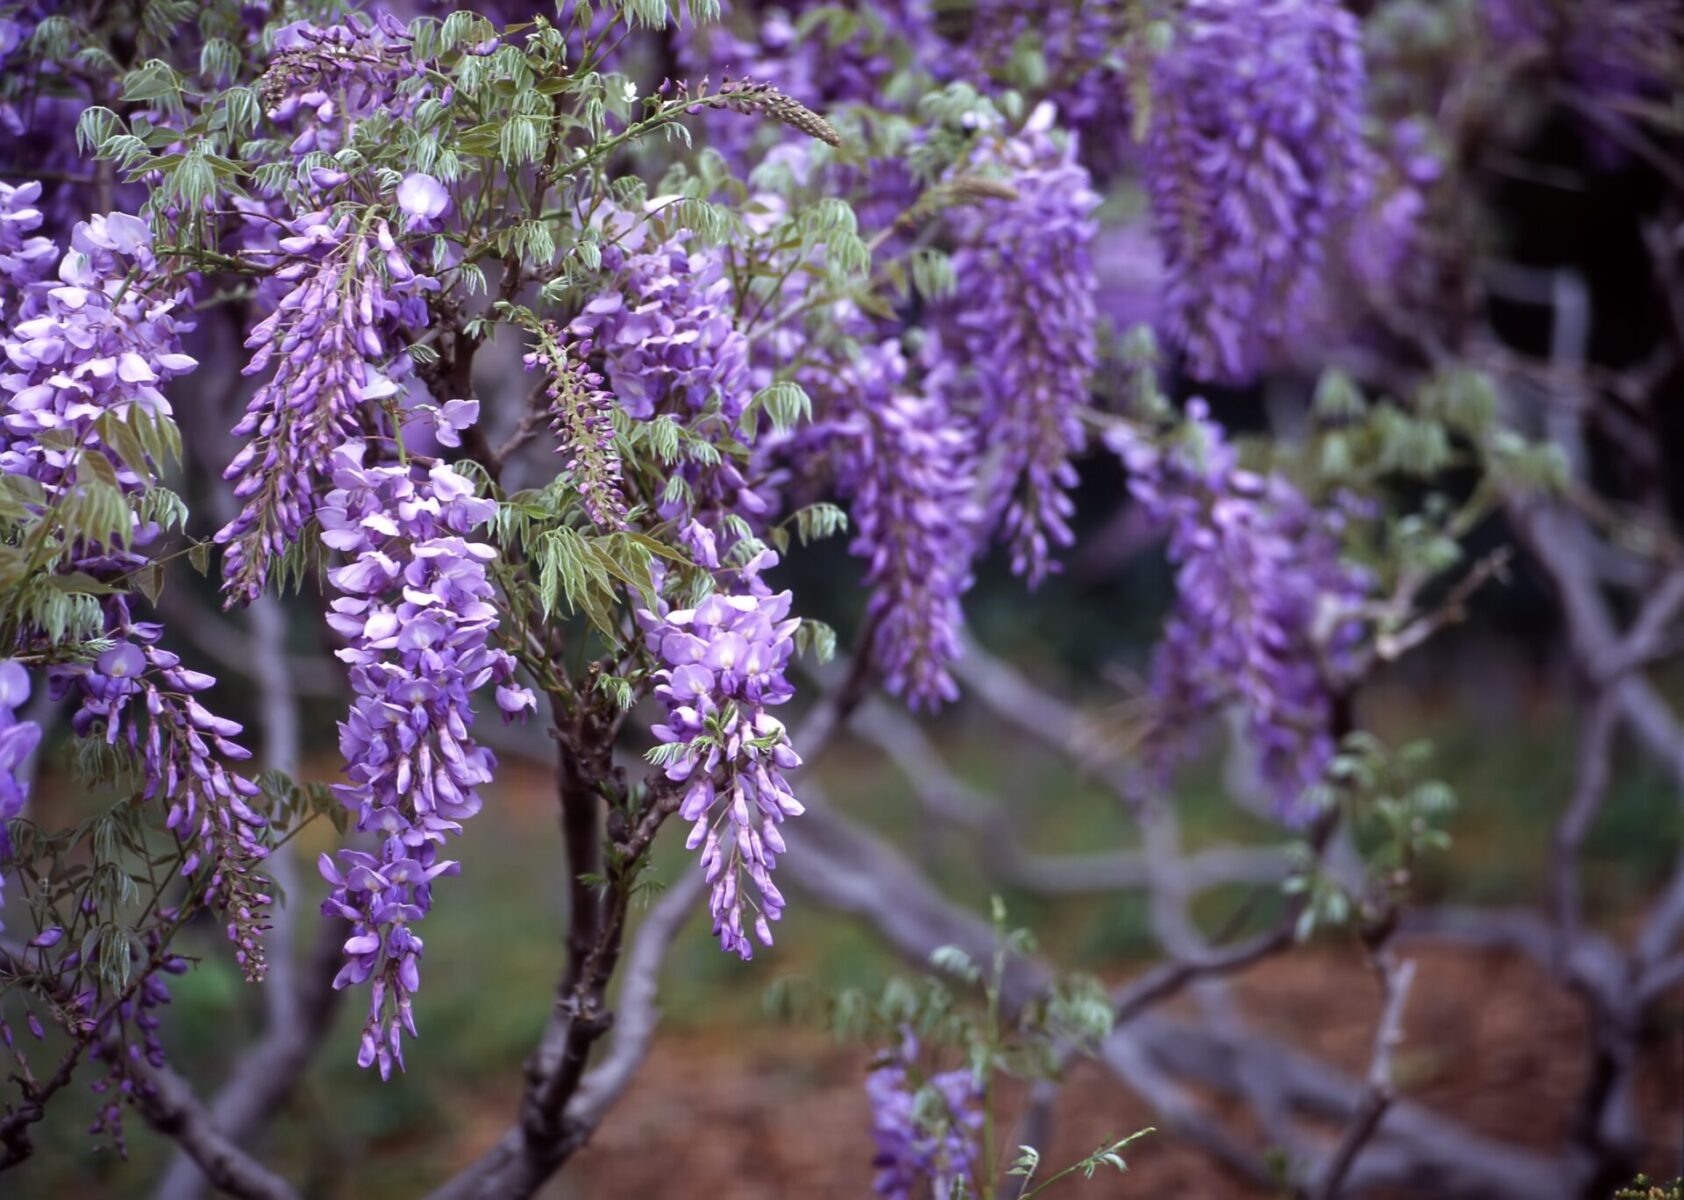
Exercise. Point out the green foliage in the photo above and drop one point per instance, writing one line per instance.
(1395, 814)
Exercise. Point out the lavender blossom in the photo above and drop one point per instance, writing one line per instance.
(926, 1137)
(128, 1033)
(906, 462)
(1077, 48)
(723, 667)
(667, 332)
(416, 604)
(816, 71)
(1023, 322)
(18, 740)
(1254, 161)
(352, 289)
(25, 255)
(670, 343)
(101, 340)
(1266, 610)
(324, 79)
(140, 696)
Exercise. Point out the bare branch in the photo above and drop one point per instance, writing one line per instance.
(169, 1106)
(952, 800)
(1395, 979)
(637, 1014)
(842, 865)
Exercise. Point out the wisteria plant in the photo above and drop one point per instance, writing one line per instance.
(507, 355)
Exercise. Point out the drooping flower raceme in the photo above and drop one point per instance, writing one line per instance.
(416, 606)
(1254, 159)
(580, 410)
(18, 740)
(101, 340)
(907, 465)
(352, 288)
(25, 255)
(668, 333)
(1266, 610)
(323, 79)
(1023, 324)
(671, 345)
(723, 666)
(819, 70)
(926, 1138)
(140, 696)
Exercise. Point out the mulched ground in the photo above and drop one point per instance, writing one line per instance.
(1489, 1041)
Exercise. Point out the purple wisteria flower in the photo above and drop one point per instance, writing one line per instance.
(1023, 326)
(1266, 610)
(926, 1137)
(580, 409)
(1254, 160)
(1386, 239)
(763, 43)
(18, 740)
(416, 606)
(26, 257)
(324, 79)
(127, 1033)
(102, 339)
(723, 667)
(330, 341)
(1076, 45)
(667, 332)
(906, 463)
(670, 344)
(139, 696)
(423, 200)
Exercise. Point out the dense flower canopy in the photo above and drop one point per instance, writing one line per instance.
(511, 362)
(898, 310)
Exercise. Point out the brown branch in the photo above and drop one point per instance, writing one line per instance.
(1395, 979)
(168, 1104)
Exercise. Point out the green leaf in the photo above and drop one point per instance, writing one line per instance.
(150, 580)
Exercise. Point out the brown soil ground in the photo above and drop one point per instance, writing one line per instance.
(1489, 1041)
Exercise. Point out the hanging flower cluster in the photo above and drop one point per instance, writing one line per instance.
(668, 333)
(25, 255)
(128, 1034)
(670, 343)
(416, 607)
(723, 667)
(1023, 326)
(1075, 45)
(18, 740)
(325, 79)
(1265, 611)
(580, 411)
(101, 340)
(906, 464)
(927, 1148)
(351, 289)
(181, 746)
(819, 72)
(1254, 160)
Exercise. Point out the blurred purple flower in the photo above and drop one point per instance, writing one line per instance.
(1254, 161)
(1266, 610)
